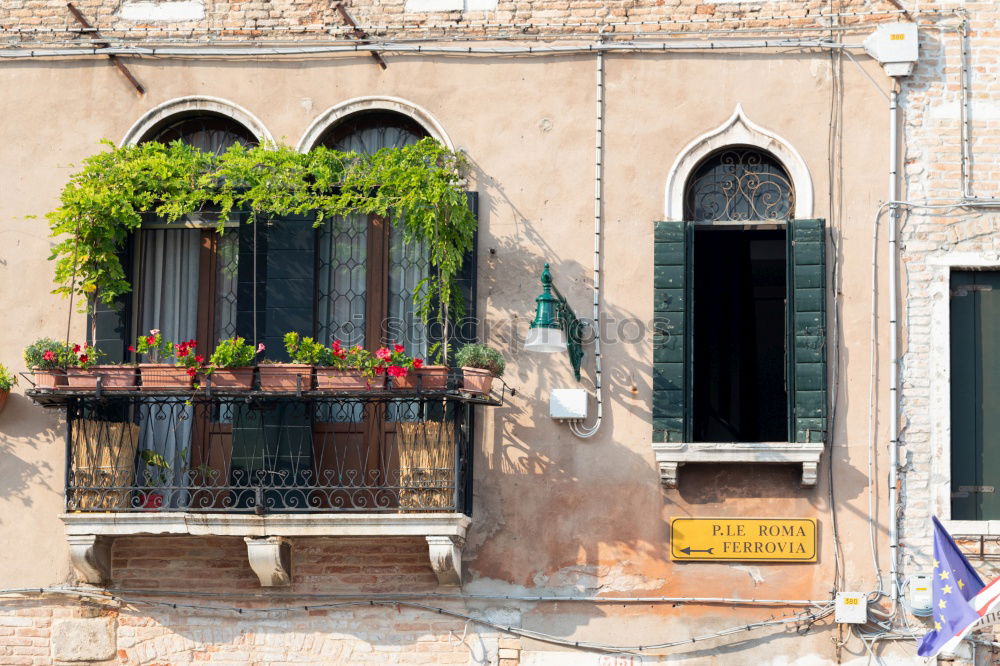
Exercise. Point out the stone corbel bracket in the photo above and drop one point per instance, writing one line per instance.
(91, 557)
(271, 559)
(446, 558)
(671, 457)
(89, 536)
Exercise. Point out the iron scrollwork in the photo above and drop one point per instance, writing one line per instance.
(739, 184)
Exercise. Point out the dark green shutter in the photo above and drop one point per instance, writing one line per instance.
(464, 329)
(671, 277)
(286, 259)
(975, 395)
(807, 331)
(113, 323)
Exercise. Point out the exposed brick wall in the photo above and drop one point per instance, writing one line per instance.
(931, 239)
(312, 19)
(359, 634)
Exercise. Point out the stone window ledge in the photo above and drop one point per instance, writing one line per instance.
(671, 456)
(268, 548)
(976, 528)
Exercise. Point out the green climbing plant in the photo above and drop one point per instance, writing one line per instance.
(417, 187)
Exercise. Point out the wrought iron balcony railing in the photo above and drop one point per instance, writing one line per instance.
(256, 452)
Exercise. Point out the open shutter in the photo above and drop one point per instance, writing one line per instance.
(671, 403)
(464, 329)
(286, 299)
(113, 323)
(807, 331)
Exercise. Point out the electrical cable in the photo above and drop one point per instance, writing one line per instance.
(803, 619)
(578, 428)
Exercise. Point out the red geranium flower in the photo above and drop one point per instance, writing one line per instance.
(76, 348)
(418, 363)
(399, 348)
(150, 340)
(49, 355)
(378, 369)
(397, 371)
(191, 372)
(83, 358)
(199, 358)
(131, 348)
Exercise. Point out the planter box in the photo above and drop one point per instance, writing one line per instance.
(328, 379)
(164, 376)
(117, 377)
(81, 378)
(3, 399)
(477, 380)
(50, 378)
(284, 376)
(240, 378)
(428, 378)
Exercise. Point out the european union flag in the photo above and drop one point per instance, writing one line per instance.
(954, 588)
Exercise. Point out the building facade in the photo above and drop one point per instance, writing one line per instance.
(718, 188)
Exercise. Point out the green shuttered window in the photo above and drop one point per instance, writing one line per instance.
(676, 310)
(975, 395)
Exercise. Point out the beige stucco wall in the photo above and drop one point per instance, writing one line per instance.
(551, 510)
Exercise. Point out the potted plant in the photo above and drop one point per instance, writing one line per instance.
(342, 369)
(7, 381)
(231, 364)
(480, 364)
(47, 358)
(305, 353)
(159, 375)
(156, 475)
(80, 369)
(407, 372)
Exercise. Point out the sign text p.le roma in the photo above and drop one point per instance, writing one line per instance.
(740, 539)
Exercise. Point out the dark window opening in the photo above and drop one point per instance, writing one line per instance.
(975, 395)
(739, 291)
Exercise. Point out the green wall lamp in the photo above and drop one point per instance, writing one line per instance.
(555, 327)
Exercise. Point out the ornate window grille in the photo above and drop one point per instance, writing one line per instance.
(739, 183)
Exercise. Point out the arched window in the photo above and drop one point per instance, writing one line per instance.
(187, 273)
(739, 183)
(367, 274)
(740, 291)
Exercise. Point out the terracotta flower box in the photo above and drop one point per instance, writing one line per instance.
(50, 378)
(427, 378)
(164, 376)
(85, 378)
(117, 377)
(329, 379)
(477, 381)
(238, 378)
(285, 376)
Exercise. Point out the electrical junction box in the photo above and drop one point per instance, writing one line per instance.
(851, 608)
(921, 597)
(568, 404)
(894, 45)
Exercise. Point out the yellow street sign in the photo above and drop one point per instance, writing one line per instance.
(768, 539)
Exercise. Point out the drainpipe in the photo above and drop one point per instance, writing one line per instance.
(893, 341)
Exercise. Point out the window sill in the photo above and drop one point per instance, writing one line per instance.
(671, 456)
(976, 528)
(90, 535)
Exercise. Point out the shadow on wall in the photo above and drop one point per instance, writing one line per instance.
(25, 427)
(554, 512)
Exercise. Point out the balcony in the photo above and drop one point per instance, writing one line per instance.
(267, 466)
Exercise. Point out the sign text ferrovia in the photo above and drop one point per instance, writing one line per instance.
(771, 539)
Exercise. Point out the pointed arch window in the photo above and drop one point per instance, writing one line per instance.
(739, 354)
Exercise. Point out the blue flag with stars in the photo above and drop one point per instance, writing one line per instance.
(954, 586)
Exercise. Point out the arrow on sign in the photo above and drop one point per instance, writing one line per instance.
(689, 550)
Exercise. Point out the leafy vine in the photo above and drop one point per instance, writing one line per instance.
(417, 187)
